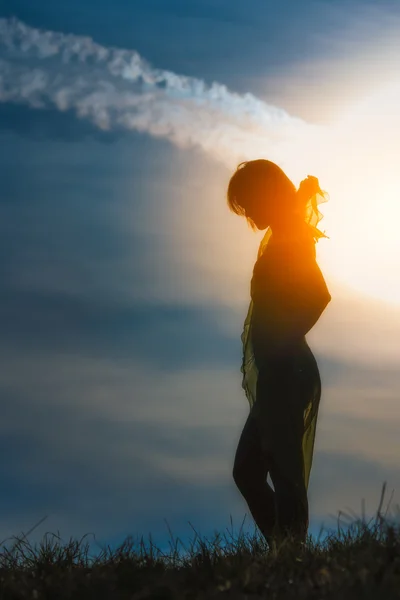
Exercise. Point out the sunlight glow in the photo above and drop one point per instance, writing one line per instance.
(360, 169)
(356, 160)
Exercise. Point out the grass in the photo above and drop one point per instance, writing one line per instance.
(359, 561)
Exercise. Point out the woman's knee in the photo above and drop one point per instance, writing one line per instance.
(291, 492)
(248, 477)
(243, 476)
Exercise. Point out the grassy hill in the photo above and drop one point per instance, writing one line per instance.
(361, 561)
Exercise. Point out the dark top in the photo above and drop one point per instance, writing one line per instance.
(289, 294)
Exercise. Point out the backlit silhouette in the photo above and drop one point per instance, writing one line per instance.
(280, 374)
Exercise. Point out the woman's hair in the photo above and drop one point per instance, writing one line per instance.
(250, 174)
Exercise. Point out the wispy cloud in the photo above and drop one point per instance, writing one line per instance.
(117, 88)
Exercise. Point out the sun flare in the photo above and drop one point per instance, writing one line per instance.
(358, 164)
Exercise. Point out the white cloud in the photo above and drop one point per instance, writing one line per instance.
(116, 88)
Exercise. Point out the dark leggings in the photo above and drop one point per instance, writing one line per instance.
(271, 443)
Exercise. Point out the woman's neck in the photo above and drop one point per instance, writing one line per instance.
(289, 227)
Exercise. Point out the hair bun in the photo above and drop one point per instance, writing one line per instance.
(308, 188)
(309, 195)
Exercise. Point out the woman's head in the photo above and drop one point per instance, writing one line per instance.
(261, 192)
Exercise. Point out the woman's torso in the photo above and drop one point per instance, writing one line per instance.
(274, 290)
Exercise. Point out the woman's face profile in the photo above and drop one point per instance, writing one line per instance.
(264, 206)
(258, 206)
(260, 220)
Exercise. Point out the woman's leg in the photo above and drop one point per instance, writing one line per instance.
(287, 474)
(281, 399)
(250, 474)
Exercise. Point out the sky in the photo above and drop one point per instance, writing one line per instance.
(125, 279)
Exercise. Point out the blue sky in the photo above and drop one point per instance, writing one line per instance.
(125, 280)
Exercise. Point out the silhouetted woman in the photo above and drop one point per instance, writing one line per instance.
(280, 374)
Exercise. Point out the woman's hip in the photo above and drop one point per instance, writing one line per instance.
(286, 390)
